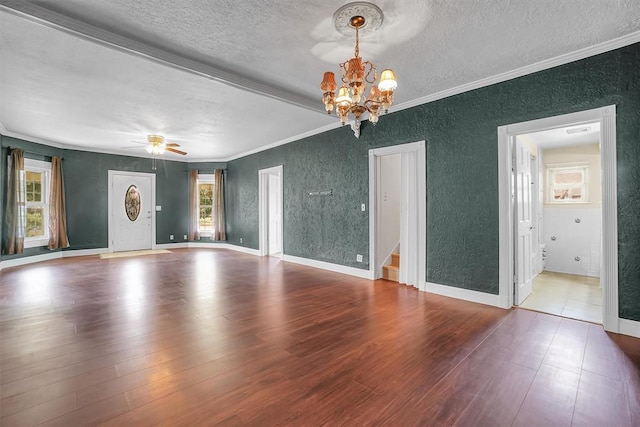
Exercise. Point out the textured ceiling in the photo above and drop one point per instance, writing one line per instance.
(225, 78)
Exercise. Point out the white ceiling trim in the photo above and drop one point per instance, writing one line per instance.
(115, 41)
(326, 128)
(5, 132)
(577, 55)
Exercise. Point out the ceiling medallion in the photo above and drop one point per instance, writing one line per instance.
(363, 18)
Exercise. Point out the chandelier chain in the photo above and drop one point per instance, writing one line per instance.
(357, 43)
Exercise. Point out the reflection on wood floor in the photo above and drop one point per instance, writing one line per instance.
(215, 337)
(566, 295)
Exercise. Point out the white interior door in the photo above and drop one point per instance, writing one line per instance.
(523, 223)
(131, 212)
(270, 215)
(409, 221)
(275, 225)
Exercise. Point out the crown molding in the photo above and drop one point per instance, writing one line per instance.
(577, 55)
(5, 132)
(567, 58)
(294, 138)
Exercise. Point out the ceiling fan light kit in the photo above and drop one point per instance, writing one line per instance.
(355, 73)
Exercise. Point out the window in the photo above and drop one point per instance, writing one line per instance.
(36, 196)
(567, 183)
(205, 204)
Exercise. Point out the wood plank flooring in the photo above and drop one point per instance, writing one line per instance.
(214, 337)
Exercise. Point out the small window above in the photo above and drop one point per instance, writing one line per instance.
(567, 183)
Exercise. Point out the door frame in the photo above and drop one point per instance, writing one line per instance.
(263, 208)
(110, 197)
(606, 116)
(421, 171)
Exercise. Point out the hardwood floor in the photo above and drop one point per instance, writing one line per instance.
(214, 337)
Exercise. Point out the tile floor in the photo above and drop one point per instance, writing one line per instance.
(567, 295)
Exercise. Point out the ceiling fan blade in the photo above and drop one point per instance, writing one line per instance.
(173, 150)
(172, 144)
(140, 142)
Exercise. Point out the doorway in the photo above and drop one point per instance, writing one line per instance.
(270, 202)
(563, 257)
(412, 213)
(131, 198)
(515, 244)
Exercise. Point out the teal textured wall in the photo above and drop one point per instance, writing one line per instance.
(331, 228)
(462, 176)
(86, 177)
(86, 188)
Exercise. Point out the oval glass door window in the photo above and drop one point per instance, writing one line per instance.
(132, 203)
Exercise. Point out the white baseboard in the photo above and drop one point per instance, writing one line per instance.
(53, 255)
(464, 294)
(84, 252)
(178, 245)
(351, 271)
(29, 260)
(622, 326)
(228, 246)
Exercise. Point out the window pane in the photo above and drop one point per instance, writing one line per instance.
(35, 222)
(568, 177)
(205, 220)
(206, 194)
(34, 186)
(568, 193)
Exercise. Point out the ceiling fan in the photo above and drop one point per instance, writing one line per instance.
(157, 145)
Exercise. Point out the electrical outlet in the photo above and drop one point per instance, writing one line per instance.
(185, 237)
(241, 240)
(358, 258)
(170, 236)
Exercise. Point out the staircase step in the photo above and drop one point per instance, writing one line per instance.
(395, 259)
(390, 272)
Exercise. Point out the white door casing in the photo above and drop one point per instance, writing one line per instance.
(606, 116)
(263, 209)
(274, 208)
(523, 224)
(135, 233)
(413, 214)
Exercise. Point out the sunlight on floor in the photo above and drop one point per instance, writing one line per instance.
(567, 295)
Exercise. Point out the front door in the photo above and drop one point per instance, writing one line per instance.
(131, 212)
(523, 223)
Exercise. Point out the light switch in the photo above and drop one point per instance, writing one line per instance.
(158, 208)
(363, 207)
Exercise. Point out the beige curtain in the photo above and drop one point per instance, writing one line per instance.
(218, 206)
(193, 205)
(57, 211)
(16, 206)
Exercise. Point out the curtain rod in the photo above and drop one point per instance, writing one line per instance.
(31, 152)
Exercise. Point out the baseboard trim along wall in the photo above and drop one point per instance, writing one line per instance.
(463, 294)
(53, 255)
(337, 268)
(623, 326)
(616, 325)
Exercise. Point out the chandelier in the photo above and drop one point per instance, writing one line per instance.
(356, 73)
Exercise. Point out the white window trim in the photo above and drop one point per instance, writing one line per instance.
(552, 168)
(203, 179)
(45, 167)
